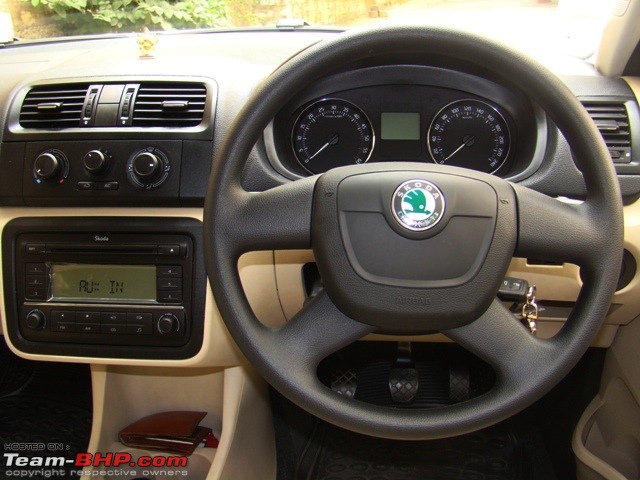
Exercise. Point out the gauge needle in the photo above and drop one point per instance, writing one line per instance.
(333, 139)
(466, 142)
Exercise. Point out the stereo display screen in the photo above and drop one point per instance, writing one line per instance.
(103, 283)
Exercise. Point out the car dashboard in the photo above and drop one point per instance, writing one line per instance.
(105, 157)
(85, 138)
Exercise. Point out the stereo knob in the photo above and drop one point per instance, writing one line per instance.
(35, 320)
(48, 165)
(168, 324)
(96, 161)
(147, 167)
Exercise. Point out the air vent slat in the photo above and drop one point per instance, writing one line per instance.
(54, 106)
(169, 105)
(612, 121)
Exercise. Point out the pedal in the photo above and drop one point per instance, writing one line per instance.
(345, 382)
(403, 384)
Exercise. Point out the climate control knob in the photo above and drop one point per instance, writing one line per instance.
(168, 324)
(48, 165)
(148, 168)
(35, 320)
(96, 161)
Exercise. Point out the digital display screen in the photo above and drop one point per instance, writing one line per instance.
(400, 126)
(103, 283)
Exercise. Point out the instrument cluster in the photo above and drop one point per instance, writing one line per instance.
(484, 127)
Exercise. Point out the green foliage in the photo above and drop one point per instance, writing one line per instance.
(98, 16)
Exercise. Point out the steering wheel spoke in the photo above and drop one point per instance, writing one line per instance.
(550, 229)
(499, 339)
(317, 331)
(279, 218)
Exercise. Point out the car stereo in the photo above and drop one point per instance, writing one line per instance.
(98, 286)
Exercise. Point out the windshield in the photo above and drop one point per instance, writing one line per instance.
(566, 26)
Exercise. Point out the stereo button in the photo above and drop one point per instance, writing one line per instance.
(36, 269)
(169, 271)
(169, 284)
(170, 296)
(113, 318)
(35, 293)
(139, 323)
(63, 327)
(139, 330)
(63, 316)
(114, 329)
(35, 280)
(63, 321)
(35, 248)
(169, 250)
(88, 317)
(88, 328)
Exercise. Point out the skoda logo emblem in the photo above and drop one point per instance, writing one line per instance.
(417, 205)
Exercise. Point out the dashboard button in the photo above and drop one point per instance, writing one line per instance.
(35, 280)
(88, 328)
(169, 250)
(114, 329)
(169, 283)
(86, 185)
(88, 317)
(139, 318)
(139, 329)
(139, 323)
(35, 293)
(36, 269)
(108, 185)
(170, 296)
(113, 318)
(63, 321)
(63, 327)
(35, 248)
(63, 316)
(169, 271)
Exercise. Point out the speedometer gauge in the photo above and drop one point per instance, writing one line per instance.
(332, 133)
(470, 134)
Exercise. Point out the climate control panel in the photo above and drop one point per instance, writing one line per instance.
(103, 173)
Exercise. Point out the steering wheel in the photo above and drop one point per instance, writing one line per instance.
(388, 269)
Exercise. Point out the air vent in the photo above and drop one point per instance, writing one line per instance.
(612, 120)
(169, 105)
(53, 106)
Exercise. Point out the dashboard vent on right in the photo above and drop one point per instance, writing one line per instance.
(53, 106)
(169, 105)
(612, 120)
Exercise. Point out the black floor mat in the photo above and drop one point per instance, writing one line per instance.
(493, 454)
(45, 411)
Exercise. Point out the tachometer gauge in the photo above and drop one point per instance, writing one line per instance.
(470, 134)
(331, 133)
